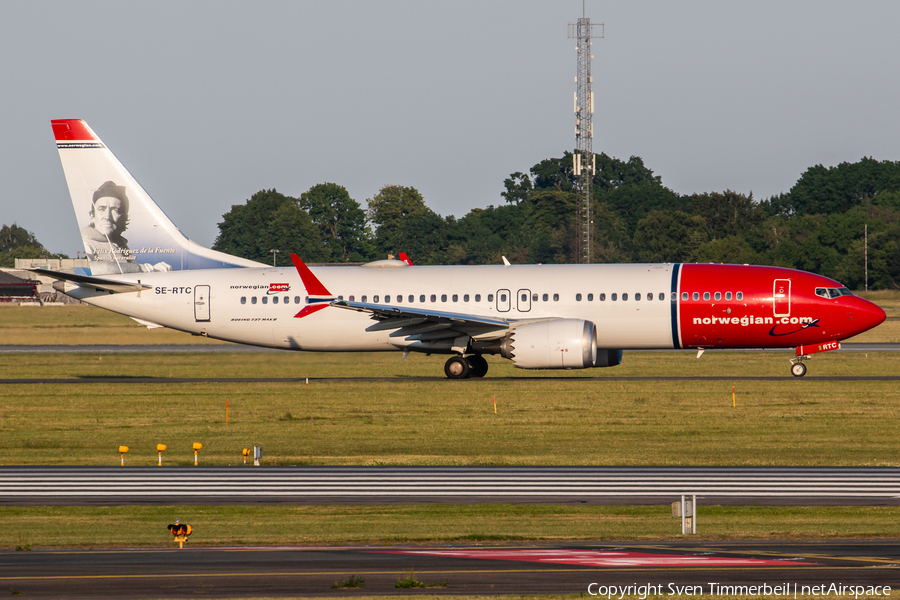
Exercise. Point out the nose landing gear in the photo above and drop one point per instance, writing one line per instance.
(798, 369)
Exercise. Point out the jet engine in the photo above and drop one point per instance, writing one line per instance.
(555, 344)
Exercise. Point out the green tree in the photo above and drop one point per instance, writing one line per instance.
(726, 214)
(824, 190)
(404, 224)
(664, 236)
(18, 242)
(341, 221)
(269, 220)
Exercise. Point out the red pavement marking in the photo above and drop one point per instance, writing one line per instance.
(600, 558)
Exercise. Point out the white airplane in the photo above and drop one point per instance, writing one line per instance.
(538, 316)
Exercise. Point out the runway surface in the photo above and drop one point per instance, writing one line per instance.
(456, 569)
(824, 486)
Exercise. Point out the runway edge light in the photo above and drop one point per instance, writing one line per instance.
(197, 446)
(122, 451)
(160, 448)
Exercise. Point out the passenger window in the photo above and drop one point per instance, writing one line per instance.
(624, 297)
(556, 297)
(297, 299)
(695, 296)
(363, 299)
(265, 299)
(602, 297)
(502, 297)
(422, 298)
(352, 298)
(613, 297)
(490, 297)
(253, 300)
(577, 297)
(477, 297)
(706, 295)
(546, 298)
(375, 299)
(275, 300)
(443, 297)
(399, 298)
(524, 297)
(455, 298)
(590, 297)
(433, 298)
(465, 297)
(649, 296)
(718, 295)
(410, 298)
(387, 299)
(728, 295)
(740, 295)
(534, 297)
(637, 297)
(243, 299)
(674, 297)
(684, 296)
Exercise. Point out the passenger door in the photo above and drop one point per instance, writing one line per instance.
(781, 298)
(201, 303)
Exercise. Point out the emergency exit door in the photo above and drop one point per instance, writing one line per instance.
(201, 303)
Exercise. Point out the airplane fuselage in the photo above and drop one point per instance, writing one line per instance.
(634, 306)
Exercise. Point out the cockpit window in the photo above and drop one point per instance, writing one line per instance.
(833, 292)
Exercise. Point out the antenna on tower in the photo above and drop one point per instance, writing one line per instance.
(584, 163)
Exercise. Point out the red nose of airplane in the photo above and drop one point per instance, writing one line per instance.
(866, 315)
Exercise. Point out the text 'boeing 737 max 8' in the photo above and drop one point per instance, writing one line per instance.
(538, 316)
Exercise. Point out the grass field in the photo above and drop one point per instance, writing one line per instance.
(410, 420)
(342, 525)
(543, 418)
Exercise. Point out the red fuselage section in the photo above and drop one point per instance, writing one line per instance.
(733, 306)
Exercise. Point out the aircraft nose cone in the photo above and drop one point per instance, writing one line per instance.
(867, 315)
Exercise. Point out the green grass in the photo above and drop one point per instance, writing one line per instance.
(134, 526)
(563, 419)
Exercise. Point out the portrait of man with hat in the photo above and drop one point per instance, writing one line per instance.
(107, 249)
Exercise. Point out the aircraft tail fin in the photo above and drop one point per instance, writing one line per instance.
(123, 229)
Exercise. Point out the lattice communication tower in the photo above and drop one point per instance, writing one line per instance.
(583, 159)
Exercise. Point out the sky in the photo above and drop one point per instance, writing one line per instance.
(208, 102)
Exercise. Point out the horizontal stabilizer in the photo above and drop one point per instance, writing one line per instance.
(99, 283)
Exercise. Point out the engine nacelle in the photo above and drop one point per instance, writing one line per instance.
(556, 344)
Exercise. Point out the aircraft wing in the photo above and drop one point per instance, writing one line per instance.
(417, 324)
(99, 283)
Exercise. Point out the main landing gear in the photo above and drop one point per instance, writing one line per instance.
(463, 367)
(798, 369)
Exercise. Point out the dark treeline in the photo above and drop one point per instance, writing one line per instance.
(817, 226)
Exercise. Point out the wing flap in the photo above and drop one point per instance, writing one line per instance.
(410, 321)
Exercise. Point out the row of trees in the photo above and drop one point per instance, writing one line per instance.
(817, 226)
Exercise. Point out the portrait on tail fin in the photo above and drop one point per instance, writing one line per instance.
(106, 247)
